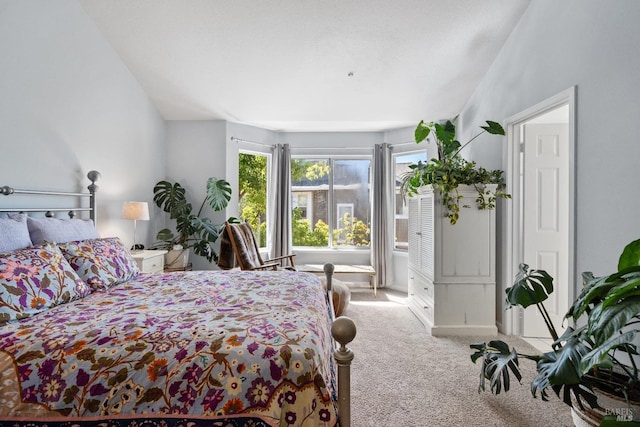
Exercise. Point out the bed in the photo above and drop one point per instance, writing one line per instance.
(86, 339)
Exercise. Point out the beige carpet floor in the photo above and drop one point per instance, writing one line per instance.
(402, 376)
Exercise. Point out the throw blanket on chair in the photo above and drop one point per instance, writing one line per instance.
(226, 259)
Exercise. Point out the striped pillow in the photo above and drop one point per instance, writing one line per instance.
(14, 233)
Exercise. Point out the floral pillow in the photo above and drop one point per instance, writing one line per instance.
(35, 279)
(101, 263)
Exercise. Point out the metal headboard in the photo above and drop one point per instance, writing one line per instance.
(49, 212)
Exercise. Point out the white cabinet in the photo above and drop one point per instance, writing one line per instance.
(452, 267)
(149, 261)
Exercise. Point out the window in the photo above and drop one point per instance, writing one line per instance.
(252, 193)
(302, 201)
(401, 166)
(344, 221)
(330, 202)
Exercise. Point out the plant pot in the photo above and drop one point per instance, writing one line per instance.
(610, 405)
(177, 258)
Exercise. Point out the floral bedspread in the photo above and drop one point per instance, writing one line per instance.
(197, 345)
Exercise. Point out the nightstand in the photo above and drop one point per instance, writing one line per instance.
(149, 261)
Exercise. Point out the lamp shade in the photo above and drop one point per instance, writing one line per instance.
(138, 211)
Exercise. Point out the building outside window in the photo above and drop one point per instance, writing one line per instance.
(401, 221)
(303, 202)
(331, 202)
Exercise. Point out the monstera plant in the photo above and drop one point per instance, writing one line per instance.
(449, 169)
(192, 229)
(597, 352)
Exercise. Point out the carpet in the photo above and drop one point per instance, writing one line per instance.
(402, 376)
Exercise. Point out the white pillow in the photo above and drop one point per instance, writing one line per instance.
(14, 233)
(60, 230)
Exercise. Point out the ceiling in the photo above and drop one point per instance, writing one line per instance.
(308, 65)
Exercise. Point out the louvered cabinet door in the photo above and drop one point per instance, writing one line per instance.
(427, 235)
(414, 232)
(421, 234)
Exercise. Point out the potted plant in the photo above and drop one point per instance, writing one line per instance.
(450, 170)
(595, 357)
(192, 230)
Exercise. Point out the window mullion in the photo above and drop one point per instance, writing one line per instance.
(331, 212)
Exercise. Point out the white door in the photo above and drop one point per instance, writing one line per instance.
(545, 216)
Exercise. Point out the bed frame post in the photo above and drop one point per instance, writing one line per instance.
(343, 331)
(93, 177)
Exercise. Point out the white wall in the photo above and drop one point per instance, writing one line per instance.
(69, 105)
(334, 143)
(196, 152)
(592, 44)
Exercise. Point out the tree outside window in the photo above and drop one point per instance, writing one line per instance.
(252, 194)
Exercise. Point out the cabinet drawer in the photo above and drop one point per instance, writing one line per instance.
(423, 310)
(424, 290)
(420, 287)
(152, 265)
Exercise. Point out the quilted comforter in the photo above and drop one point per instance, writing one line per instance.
(187, 348)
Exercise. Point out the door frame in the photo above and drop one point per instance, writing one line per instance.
(511, 236)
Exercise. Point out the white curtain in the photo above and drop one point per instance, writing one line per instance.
(280, 201)
(382, 215)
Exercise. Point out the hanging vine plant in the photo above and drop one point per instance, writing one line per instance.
(450, 170)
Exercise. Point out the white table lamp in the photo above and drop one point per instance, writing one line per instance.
(136, 211)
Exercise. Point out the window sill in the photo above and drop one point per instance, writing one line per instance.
(328, 250)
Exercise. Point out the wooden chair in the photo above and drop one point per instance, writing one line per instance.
(245, 250)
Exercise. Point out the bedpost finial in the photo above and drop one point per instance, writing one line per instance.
(328, 272)
(93, 176)
(328, 268)
(343, 330)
